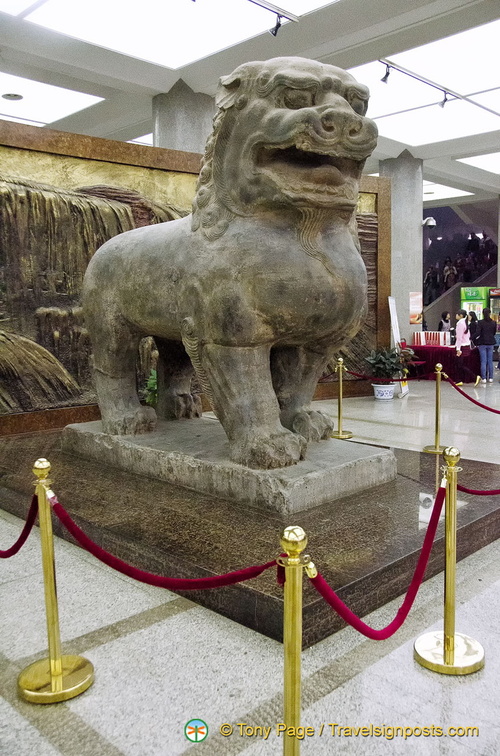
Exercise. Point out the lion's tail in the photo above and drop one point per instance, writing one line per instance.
(192, 347)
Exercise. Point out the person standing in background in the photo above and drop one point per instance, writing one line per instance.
(444, 323)
(485, 341)
(462, 347)
(473, 324)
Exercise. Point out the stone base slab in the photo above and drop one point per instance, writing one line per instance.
(194, 454)
(365, 546)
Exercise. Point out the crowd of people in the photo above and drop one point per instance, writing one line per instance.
(473, 257)
(469, 333)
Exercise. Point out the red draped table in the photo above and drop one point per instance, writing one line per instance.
(431, 355)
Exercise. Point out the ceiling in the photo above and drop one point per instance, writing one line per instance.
(352, 34)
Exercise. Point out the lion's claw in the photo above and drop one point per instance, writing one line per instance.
(268, 452)
(313, 425)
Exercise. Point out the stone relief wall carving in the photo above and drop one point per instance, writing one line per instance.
(47, 237)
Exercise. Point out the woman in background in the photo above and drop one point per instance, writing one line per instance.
(444, 323)
(462, 348)
(473, 324)
(485, 340)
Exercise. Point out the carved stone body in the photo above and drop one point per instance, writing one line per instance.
(261, 284)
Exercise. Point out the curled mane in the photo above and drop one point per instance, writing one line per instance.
(210, 213)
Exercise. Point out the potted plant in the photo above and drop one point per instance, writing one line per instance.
(387, 364)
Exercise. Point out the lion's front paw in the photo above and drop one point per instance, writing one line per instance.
(267, 452)
(142, 420)
(313, 425)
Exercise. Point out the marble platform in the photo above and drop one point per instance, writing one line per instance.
(365, 545)
(195, 455)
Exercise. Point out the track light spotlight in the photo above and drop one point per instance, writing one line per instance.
(444, 100)
(277, 26)
(387, 73)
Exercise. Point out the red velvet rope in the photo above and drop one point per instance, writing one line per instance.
(173, 584)
(474, 401)
(495, 491)
(28, 526)
(389, 380)
(352, 619)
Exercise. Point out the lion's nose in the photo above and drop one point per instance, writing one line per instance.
(328, 120)
(354, 127)
(345, 124)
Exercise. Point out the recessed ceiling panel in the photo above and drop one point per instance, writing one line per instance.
(489, 162)
(432, 191)
(435, 124)
(301, 7)
(14, 7)
(32, 100)
(489, 99)
(25, 121)
(465, 62)
(146, 139)
(171, 34)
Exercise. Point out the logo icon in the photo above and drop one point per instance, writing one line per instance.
(196, 730)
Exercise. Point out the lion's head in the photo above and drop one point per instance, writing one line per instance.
(288, 133)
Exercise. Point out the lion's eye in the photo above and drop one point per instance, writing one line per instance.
(357, 103)
(298, 98)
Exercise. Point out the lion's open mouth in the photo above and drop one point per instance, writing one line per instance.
(307, 167)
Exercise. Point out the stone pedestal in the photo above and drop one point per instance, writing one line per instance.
(365, 546)
(194, 454)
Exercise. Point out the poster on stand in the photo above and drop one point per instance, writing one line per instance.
(416, 308)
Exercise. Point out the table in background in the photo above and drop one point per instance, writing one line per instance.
(431, 355)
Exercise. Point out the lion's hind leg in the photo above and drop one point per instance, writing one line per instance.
(175, 374)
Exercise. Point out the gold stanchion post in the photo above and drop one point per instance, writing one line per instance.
(437, 449)
(447, 651)
(59, 677)
(293, 542)
(340, 433)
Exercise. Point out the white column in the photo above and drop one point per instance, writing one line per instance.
(498, 245)
(405, 173)
(182, 119)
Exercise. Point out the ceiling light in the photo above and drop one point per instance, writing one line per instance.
(12, 96)
(387, 74)
(444, 100)
(277, 26)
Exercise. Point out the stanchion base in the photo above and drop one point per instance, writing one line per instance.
(428, 651)
(34, 683)
(434, 449)
(341, 434)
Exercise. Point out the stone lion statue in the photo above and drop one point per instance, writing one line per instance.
(261, 284)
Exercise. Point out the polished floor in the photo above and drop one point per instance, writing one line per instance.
(161, 660)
